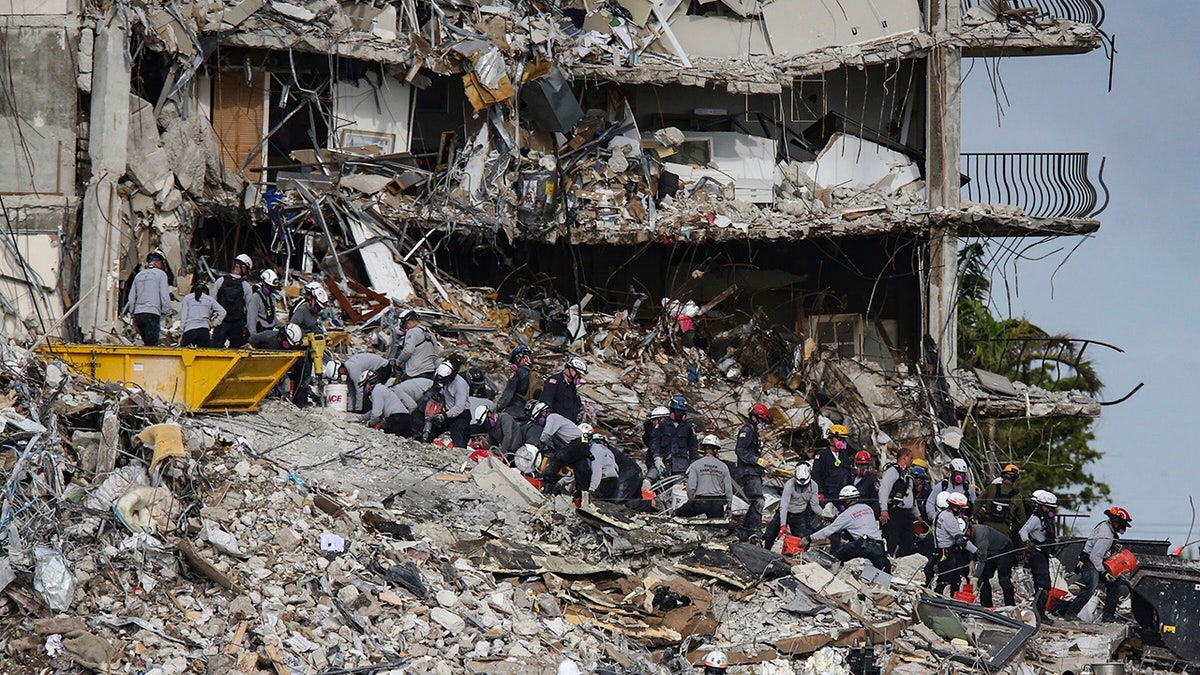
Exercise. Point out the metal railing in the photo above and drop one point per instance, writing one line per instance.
(1042, 184)
(1078, 11)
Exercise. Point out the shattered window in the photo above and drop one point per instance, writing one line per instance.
(697, 152)
(842, 333)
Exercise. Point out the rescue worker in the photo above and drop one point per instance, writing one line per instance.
(1099, 547)
(922, 488)
(750, 465)
(859, 529)
(197, 313)
(995, 557)
(958, 481)
(387, 412)
(520, 386)
(260, 305)
(799, 509)
(709, 485)
(307, 315)
(353, 368)
(1001, 504)
(560, 393)
(418, 351)
(557, 431)
(674, 440)
(503, 433)
(605, 474)
(450, 391)
(952, 543)
(149, 299)
(563, 443)
(287, 337)
(833, 465)
(715, 663)
(478, 385)
(865, 481)
(629, 480)
(898, 505)
(1040, 534)
(654, 465)
(233, 291)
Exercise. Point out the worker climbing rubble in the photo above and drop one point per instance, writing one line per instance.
(1040, 534)
(673, 440)
(709, 484)
(858, 529)
(750, 467)
(799, 511)
(1101, 545)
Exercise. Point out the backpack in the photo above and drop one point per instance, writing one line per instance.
(901, 486)
(232, 297)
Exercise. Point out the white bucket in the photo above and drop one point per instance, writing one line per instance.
(336, 398)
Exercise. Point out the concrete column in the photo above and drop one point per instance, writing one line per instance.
(943, 139)
(103, 206)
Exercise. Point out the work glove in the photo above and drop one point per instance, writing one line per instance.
(377, 425)
(439, 418)
(762, 461)
(1079, 565)
(805, 541)
(1109, 578)
(782, 531)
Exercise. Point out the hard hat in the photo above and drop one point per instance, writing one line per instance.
(475, 375)
(943, 500)
(1045, 498)
(862, 457)
(312, 286)
(479, 414)
(409, 315)
(155, 256)
(958, 464)
(569, 667)
(331, 369)
(244, 259)
(710, 441)
(1011, 472)
(577, 363)
(760, 411)
(586, 428)
(659, 412)
(803, 473)
(293, 334)
(849, 492)
(957, 499)
(269, 278)
(320, 296)
(601, 438)
(1118, 513)
(838, 430)
(539, 408)
(678, 403)
(367, 377)
(519, 351)
(716, 659)
(690, 308)
(920, 463)
(198, 286)
(918, 471)
(445, 371)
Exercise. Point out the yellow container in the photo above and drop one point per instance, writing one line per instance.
(201, 379)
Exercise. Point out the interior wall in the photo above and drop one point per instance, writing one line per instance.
(375, 107)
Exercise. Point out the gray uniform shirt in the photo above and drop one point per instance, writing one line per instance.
(308, 320)
(1033, 531)
(604, 465)
(947, 532)
(858, 520)
(1099, 544)
(148, 294)
(456, 396)
(709, 477)
(418, 353)
(384, 403)
(247, 291)
(561, 429)
(195, 313)
(931, 503)
(256, 311)
(887, 482)
(798, 499)
(358, 364)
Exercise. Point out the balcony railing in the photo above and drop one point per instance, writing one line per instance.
(1078, 11)
(1042, 184)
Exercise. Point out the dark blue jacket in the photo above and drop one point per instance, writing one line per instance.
(748, 449)
(560, 393)
(512, 399)
(832, 470)
(676, 443)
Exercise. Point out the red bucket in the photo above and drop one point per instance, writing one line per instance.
(1121, 563)
(791, 545)
(967, 594)
(1054, 597)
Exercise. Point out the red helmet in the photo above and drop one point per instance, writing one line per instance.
(862, 457)
(760, 411)
(1118, 513)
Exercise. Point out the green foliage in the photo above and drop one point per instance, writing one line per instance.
(1054, 453)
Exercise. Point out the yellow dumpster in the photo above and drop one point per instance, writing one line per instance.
(201, 379)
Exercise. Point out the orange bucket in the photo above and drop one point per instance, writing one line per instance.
(647, 495)
(791, 545)
(967, 594)
(1121, 563)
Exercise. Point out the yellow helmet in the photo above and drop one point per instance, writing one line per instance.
(920, 462)
(838, 430)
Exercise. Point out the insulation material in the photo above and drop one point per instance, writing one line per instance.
(852, 162)
(370, 113)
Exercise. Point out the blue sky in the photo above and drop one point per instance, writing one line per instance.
(1135, 283)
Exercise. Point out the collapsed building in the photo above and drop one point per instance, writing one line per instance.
(786, 174)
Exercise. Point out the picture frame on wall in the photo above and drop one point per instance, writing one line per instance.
(357, 138)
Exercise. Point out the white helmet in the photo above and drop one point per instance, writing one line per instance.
(320, 296)
(244, 259)
(569, 667)
(711, 441)
(1045, 498)
(331, 369)
(586, 428)
(849, 492)
(716, 659)
(578, 363)
(444, 370)
(943, 500)
(367, 377)
(269, 278)
(659, 412)
(479, 414)
(538, 409)
(293, 334)
(957, 499)
(958, 464)
(803, 473)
